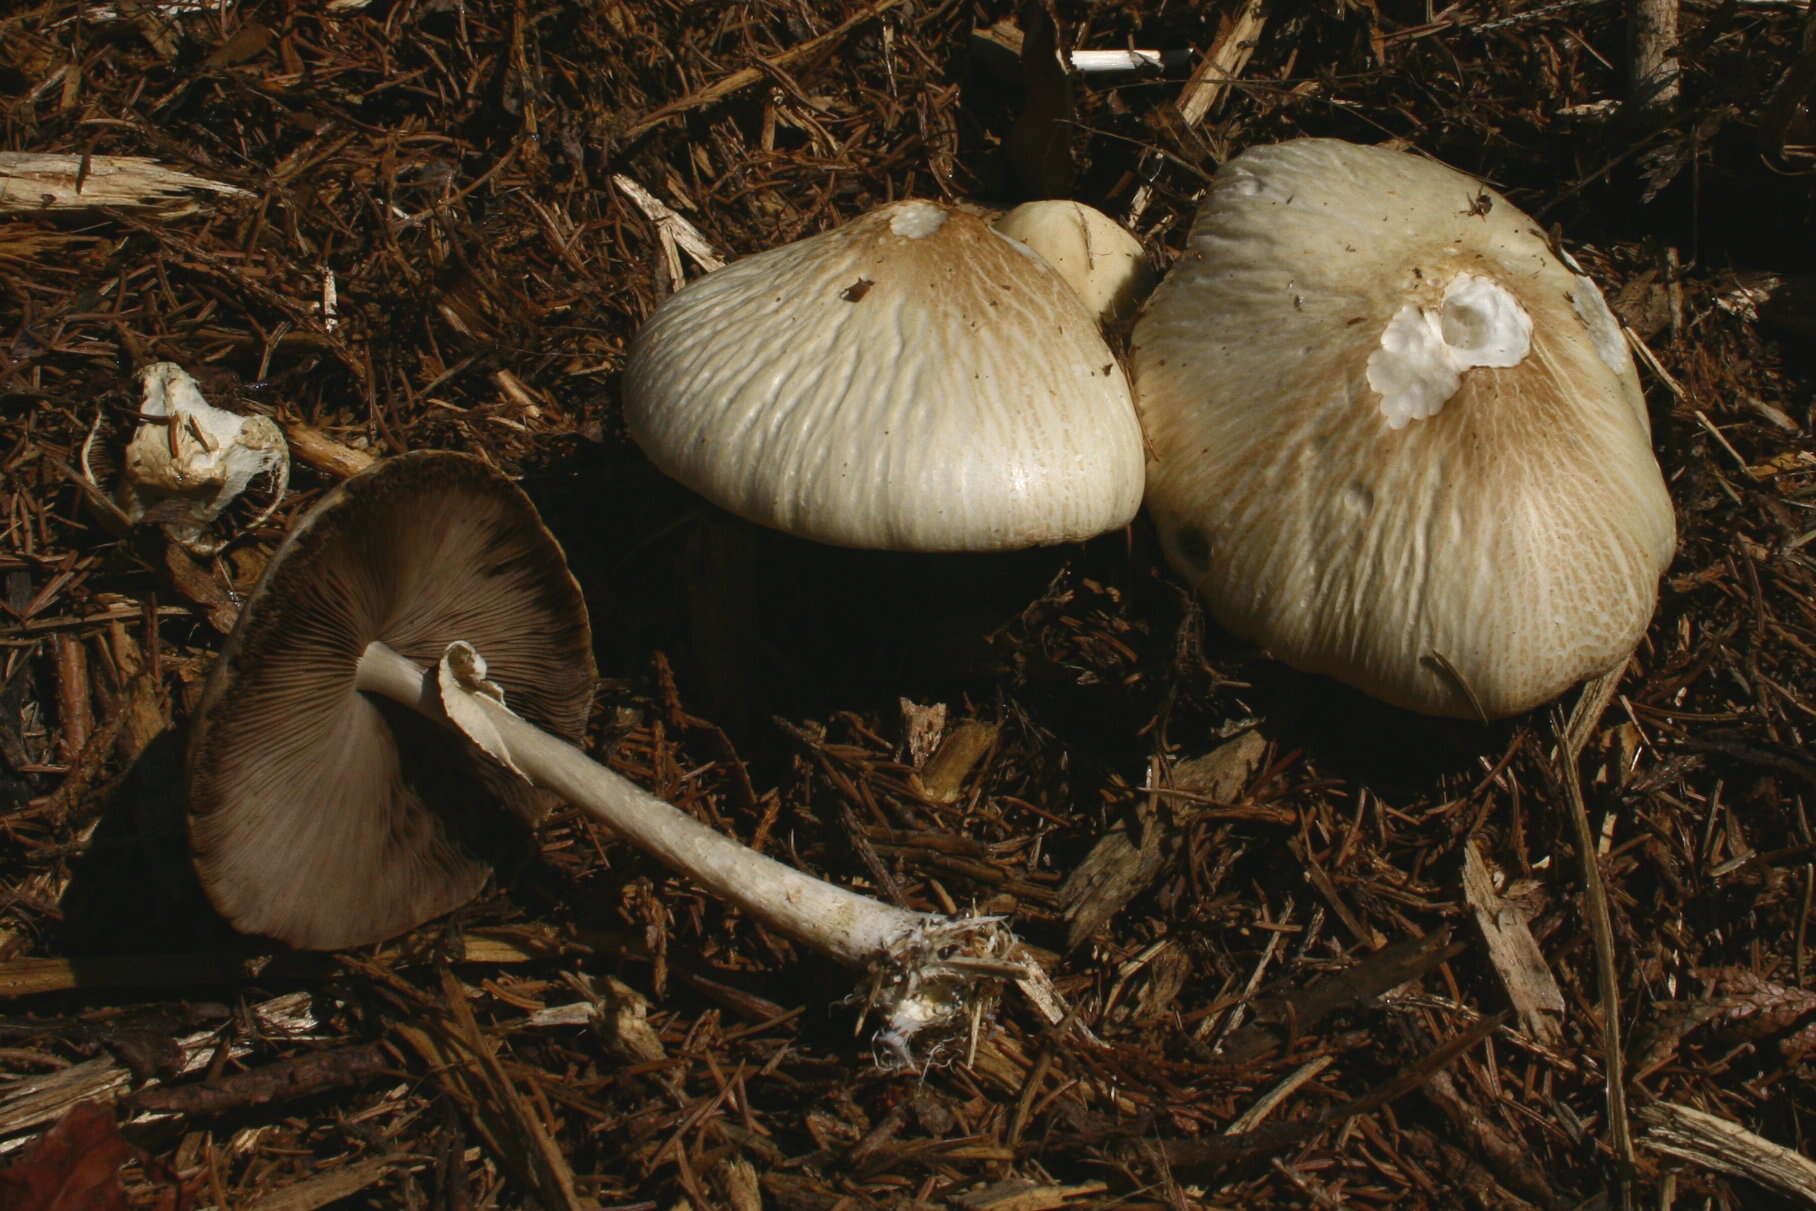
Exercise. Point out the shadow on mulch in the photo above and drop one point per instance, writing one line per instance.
(1395, 753)
(132, 890)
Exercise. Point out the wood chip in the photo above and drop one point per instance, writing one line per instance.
(342, 1181)
(35, 1100)
(943, 778)
(1126, 860)
(1514, 952)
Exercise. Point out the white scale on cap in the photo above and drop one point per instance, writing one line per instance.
(1424, 353)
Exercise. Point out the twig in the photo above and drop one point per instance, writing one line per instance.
(299, 1076)
(1222, 66)
(1571, 737)
(1253, 1116)
(745, 77)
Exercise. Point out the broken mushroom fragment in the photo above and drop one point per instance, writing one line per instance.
(1102, 262)
(909, 381)
(388, 687)
(188, 461)
(1395, 439)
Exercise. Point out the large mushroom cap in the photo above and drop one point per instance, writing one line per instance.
(1395, 439)
(326, 817)
(910, 381)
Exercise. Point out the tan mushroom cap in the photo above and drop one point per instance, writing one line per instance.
(1395, 439)
(1100, 260)
(326, 817)
(909, 381)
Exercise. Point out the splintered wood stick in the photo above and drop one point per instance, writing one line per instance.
(31, 182)
(671, 225)
(1716, 1143)
(1235, 45)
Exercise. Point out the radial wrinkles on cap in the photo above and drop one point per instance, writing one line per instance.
(323, 816)
(1476, 533)
(909, 381)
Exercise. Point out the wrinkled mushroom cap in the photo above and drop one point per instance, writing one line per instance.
(1395, 439)
(1102, 262)
(909, 381)
(326, 817)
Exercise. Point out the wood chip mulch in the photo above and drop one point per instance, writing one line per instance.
(1331, 955)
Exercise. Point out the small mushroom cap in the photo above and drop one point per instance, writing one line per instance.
(910, 381)
(1102, 262)
(323, 816)
(1395, 439)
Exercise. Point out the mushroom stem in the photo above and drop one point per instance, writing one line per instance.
(849, 927)
(927, 969)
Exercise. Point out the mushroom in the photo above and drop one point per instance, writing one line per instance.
(323, 816)
(1395, 439)
(329, 807)
(188, 461)
(909, 381)
(1102, 262)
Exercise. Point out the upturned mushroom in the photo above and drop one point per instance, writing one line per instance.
(341, 792)
(326, 817)
(910, 381)
(1395, 439)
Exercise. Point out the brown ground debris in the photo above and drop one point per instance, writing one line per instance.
(444, 239)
